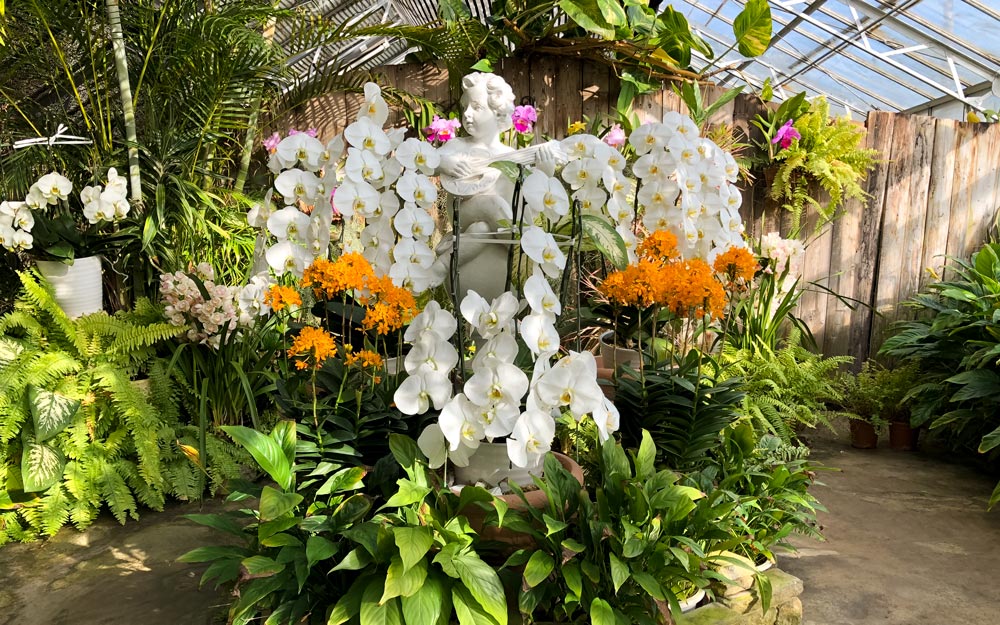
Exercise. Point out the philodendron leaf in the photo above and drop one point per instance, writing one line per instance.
(587, 14)
(266, 451)
(41, 466)
(752, 28)
(51, 412)
(606, 239)
(601, 613)
(538, 568)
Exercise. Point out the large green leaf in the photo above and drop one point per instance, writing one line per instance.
(752, 28)
(587, 14)
(284, 434)
(266, 451)
(601, 613)
(538, 568)
(430, 605)
(343, 480)
(613, 12)
(403, 582)
(375, 613)
(606, 239)
(645, 459)
(467, 610)
(990, 441)
(619, 571)
(51, 412)
(408, 493)
(275, 504)
(413, 543)
(319, 549)
(483, 583)
(41, 466)
(262, 566)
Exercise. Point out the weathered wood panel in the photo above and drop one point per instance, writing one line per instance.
(914, 211)
(939, 194)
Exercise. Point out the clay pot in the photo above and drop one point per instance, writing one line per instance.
(614, 356)
(863, 435)
(903, 437)
(535, 498)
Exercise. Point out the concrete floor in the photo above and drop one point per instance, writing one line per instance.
(909, 541)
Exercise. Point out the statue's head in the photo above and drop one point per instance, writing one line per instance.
(489, 91)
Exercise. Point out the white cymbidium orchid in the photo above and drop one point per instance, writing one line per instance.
(531, 438)
(418, 155)
(299, 150)
(499, 382)
(540, 335)
(413, 221)
(416, 188)
(540, 246)
(362, 166)
(374, 106)
(297, 185)
(490, 319)
(432, 320)
(430, 353)
(571, 382)
(287, 257)
(357, 198)
(607, 420)
(366, 135)
(54, 187)
(435, 446)
(288, 223)
(418, 392)
(460, 423)
(545, 195)
(541, 298)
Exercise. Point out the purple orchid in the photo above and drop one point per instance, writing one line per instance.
(271, 143)
(442, 129)
(524, 118)
(615, 137)
(786, 134)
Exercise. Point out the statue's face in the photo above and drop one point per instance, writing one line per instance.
(478, 118)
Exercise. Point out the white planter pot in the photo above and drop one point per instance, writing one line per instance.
(691, 602)
(491, 465)
(78, 288)
(615, 356)
(765, 566)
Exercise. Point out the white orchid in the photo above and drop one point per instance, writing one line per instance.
(501, 347)
(365, 134)
(540, 335)
(287, 257)
(653, 167)
(117, 185)
(435, 446)
(625, 231)
(357, 198)
(607, 420)
(460, 423)
(591, 198)
(250, 300)
(414, 251)
(54, 187)
(412, 277)
(297, 185)
(545, 195)
(20, 240)
(23, 219)
(500, 382)
(299, 150)
(571, 382)
(6, 236)
(374, 106)
(418, 155)
(35, 199)
(540, 246)
(541, 298)
(416, 188)
(658, 195)
(580, 146)
(258, 214)
(531, 438)
(585, 172)
(490, 319)
(648, 137)
(418, 392)
(432, 320)
(388, 204)
(288, 223)
(431, 353)
(362, 166)
(413, 221)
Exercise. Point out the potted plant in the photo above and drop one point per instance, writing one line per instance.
(862, 399)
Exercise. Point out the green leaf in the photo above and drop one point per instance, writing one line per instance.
(752, 28)
(262, 566)
(404, 450)
(990, 441)
(407, 494)
(430, 605)
(574, 580)
(400, 582)
(763, 590)
(574, 545)
(275, 504)
(51, 412)
(356, 560)
(612, 12)
(483, 583)
(995, 497)
(208, 554)
(284, 434)
(266, 451)
(538, 568)
(343, 480)
(767, 91)
(467, 610)
(41, 466)
(606, 239)
(281, 539)
(413, 543)
(374, 612)
(483, 65)
(587, 15)
(649, 584)
(348, 606)
(601, 613)
(319, 549)
(217, 521)
(619, 571)
(553, 526)
(645, 460)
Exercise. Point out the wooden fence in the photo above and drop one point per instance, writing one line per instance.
(934, 193)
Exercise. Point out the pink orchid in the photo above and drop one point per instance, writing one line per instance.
(524, 118)
(271, 143)
(312, 132)
(786, 134)
(442, 129)
(615, 137)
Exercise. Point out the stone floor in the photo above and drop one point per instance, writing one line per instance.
(909, 543)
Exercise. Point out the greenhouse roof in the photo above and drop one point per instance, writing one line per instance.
(895, 55)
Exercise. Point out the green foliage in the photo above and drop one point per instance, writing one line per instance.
(956, 345)
(828, 154)
(759, 317)
(785, 388)
(75, 432)
(876, 393)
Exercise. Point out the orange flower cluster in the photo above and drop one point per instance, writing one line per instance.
(280, 297)
(350, 272)
(313, 346)
(737, 264)
(659, 246)
(390, 307)
(365, 359)
(636, 285)
(687, 288)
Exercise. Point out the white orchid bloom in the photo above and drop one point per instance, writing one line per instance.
(396, 136)
(391, 171)
(648, 137)
(659, 218)
(411, 277)
(416, 188)
(118, 203)
(546, 195)
(730, 166)
(688, 180)
(617, 184)
(607, 420)
(580, 146)
(378, 234)
(627, 234)
(89, 195)
(460, 423)
(297, 185)
(497, 419)
(502, 382)
(98, 211)
(250, 300)
(711, 177)
(6, 236)
(318, 233)
(591, 198)
(659, 195)
(23, 218)
(20, 240)
(414, 251)
(54, 187)
(413, 221)
(362, 166)
(540, 246)
(257, 216)
(374, 106)
(388, 205)
(431, 353)
(287, 257)
(299, 149)
(117, 185)
(490, 319)
(432, 320)
(531, 438)
(35, 200)
(380, 258)
(653, 167)
(418, 392)
(610, 157)
(731, 196)
(357, 198)
(620, 209)
(585, 172)
(540, 335)
(331, 154)
(684, 151)
(678, 124)
(571, 382)
(415, 154)
(434, 445)
(365, 134)
(288, 223)
(541, 298)
(9, 208)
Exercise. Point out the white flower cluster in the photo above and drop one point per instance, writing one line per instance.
(687, 187)
(490, 404)
(17, 218)
(783, 253)
(387, 185)
(225, 307)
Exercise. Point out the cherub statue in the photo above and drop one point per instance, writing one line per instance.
(481, 194)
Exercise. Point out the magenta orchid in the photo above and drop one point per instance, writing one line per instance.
(524, 118)
(271, 143)
(442, 130)
(615, 137)
(786, 134)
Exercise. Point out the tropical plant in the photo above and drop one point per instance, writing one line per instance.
(876, 393)
(76, 433)
(956, 344)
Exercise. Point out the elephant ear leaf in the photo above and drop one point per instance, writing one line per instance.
(41, 466)
(51, 412)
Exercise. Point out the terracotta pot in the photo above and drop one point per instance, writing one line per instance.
(903, 437)
(535, 498)
(78, 288)
(614, 356)
(863, 435)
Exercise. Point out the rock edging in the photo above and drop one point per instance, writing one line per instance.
(743, 607)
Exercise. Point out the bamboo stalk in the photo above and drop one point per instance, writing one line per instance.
(125, 89)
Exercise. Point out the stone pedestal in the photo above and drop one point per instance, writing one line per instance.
(736, 605)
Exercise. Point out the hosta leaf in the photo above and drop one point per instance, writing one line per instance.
(606, 239)
(51, 412)
(41, 466)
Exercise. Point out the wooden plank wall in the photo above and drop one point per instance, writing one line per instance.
(935, 192)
